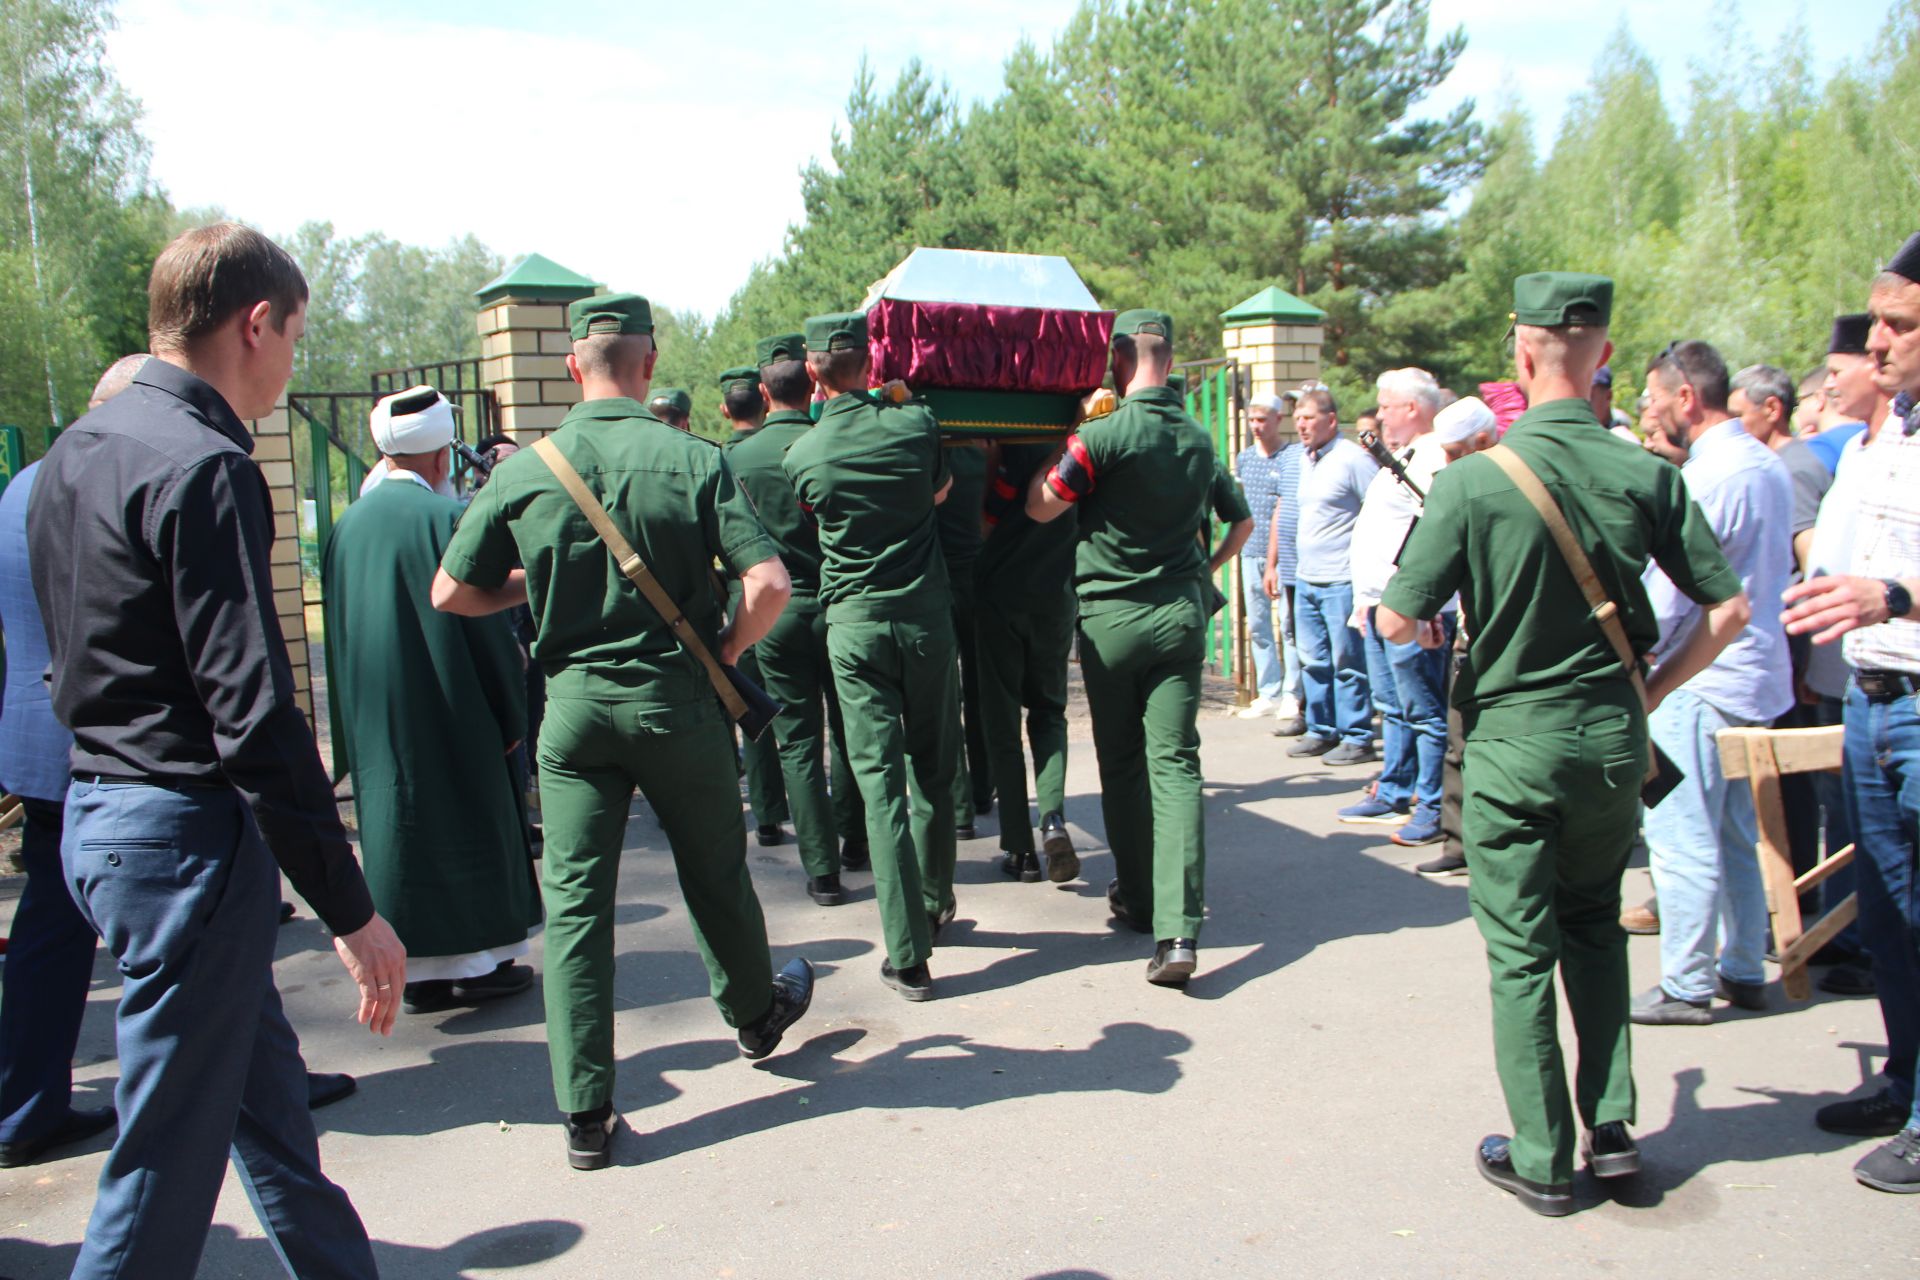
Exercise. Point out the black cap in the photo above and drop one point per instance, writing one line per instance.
(1850, 335)
(1907, 261)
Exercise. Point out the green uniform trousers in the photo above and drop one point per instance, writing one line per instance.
(896, 685)
(1023, 663)
(798, 676)
(1548, 819)
(974, 775)
(766, 784)
(592, 756)
(1141, 664)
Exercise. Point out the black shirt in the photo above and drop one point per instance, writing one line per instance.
(149, 532)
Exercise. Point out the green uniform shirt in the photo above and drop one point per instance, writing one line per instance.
(1023, 564)
(868, 472)
(757, 461)
(1143, 477)
(958, 518)
(673, 496)
(1538, 660)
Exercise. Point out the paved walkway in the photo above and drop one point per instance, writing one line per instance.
(1308, 1107)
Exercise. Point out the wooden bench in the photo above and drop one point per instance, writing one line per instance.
(1762, 757)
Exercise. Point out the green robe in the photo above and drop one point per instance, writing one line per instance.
(427, 704)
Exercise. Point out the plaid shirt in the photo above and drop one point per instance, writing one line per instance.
(1887, 541)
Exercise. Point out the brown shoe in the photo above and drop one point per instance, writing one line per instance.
(1642, 919)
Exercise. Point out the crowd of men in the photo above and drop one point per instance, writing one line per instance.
(1534, 618)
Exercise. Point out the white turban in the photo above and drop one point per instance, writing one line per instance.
(1270, 401)
(417, 420)
(1462, 420)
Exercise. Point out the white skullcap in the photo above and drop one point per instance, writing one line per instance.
(1462, 420)
(417, 420)
(1270, 401)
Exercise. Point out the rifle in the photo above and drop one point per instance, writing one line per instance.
(475, 460)
(1370, 440)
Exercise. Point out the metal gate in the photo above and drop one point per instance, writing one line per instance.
(1217, 399)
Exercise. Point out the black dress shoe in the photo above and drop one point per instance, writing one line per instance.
(1118, 906)
(769, 833)
(435, 996)
(983, 804)
(1024, 867)
(792, 993)
(507, 979)
(1063, 864)
(853, 855)
(1174, 960)
(286, 912)
(825, 890)
(81, 1123)
(913, 982)
(1494, 1159)
(590, 1137)
(327, 1087)
(965, 831)
(942, 918)
(1848, 980)
(1609, 1150)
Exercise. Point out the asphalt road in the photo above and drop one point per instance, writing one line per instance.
(1309, 1106)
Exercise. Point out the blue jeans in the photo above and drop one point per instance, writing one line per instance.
(1420, 678)
(1882, 775)
(49, 967)
(1262, 635)
(1701, 848)
(1333, 674)
(182, 889)
(1397, 762)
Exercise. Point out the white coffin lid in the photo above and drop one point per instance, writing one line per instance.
(985, 279)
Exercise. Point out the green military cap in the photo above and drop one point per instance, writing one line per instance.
(1143, 320)
(1178, 382)
(1549, 299)
(739, 373)
(610, 313)
(841, 331)
(674, 398)
(781, 346)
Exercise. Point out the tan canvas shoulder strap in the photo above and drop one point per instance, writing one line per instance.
(1605, 612)
(637, 572)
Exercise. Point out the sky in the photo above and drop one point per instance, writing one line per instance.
(657, 147)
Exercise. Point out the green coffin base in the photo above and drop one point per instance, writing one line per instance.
(976, 414)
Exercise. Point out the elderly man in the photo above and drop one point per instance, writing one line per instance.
(1701, 838)
(1408, 681)
(430, 706)
(1269, 472)
(1874, 602)
(1763, 398)
(1334, 475)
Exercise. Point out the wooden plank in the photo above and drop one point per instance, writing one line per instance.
(1823, 931)
(1794, 750)
(1824, 868)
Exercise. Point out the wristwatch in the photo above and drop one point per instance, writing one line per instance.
(1899, 599)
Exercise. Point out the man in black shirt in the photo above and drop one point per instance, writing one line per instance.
(149, 532)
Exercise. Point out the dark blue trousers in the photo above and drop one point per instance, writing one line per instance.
(185, 894)
(49, 966)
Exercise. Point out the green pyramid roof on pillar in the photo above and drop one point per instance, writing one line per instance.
(1272, 305)
(536, 278)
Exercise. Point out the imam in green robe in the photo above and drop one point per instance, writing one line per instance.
(426, 708)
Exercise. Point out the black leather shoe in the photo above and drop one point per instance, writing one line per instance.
(429, 997)
(943, 917)
(1609, 1150)
(1118, 907)
(1494, 1159)
(913, 982)
(825, 890)
(507, 979)
(792, 993)
(1063, 864)
(966, 831)
(325, 1087)
(769, 833)
(983, 803)
(286, 912)
(1174, 960)
(853, 855)
(1751, 996)
(81, 1123)
(1848, 980)
(1024, 867)
(590, 1137)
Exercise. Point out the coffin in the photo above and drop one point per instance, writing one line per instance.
(996, 344)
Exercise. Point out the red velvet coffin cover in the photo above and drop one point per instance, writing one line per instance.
(970, 346)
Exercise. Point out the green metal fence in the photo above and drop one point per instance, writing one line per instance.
(1216, 398)
(13, 453)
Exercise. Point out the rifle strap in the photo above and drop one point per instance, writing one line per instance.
(637, 573)
(1604, 611)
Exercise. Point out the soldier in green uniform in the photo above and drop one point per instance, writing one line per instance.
(1142, 479)
(1556, 729)
(793, 657)
(958, 521)
(1023, 625)
(627, 704)
(872, 472)
(673, 406)
(742, 405)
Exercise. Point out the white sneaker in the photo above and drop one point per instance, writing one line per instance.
(1255, 709)
(1289, 708)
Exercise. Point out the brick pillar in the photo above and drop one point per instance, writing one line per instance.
(1277, 338)
(273, 450)
(524, 344)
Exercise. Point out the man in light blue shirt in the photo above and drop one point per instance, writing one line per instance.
(1701, 837)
